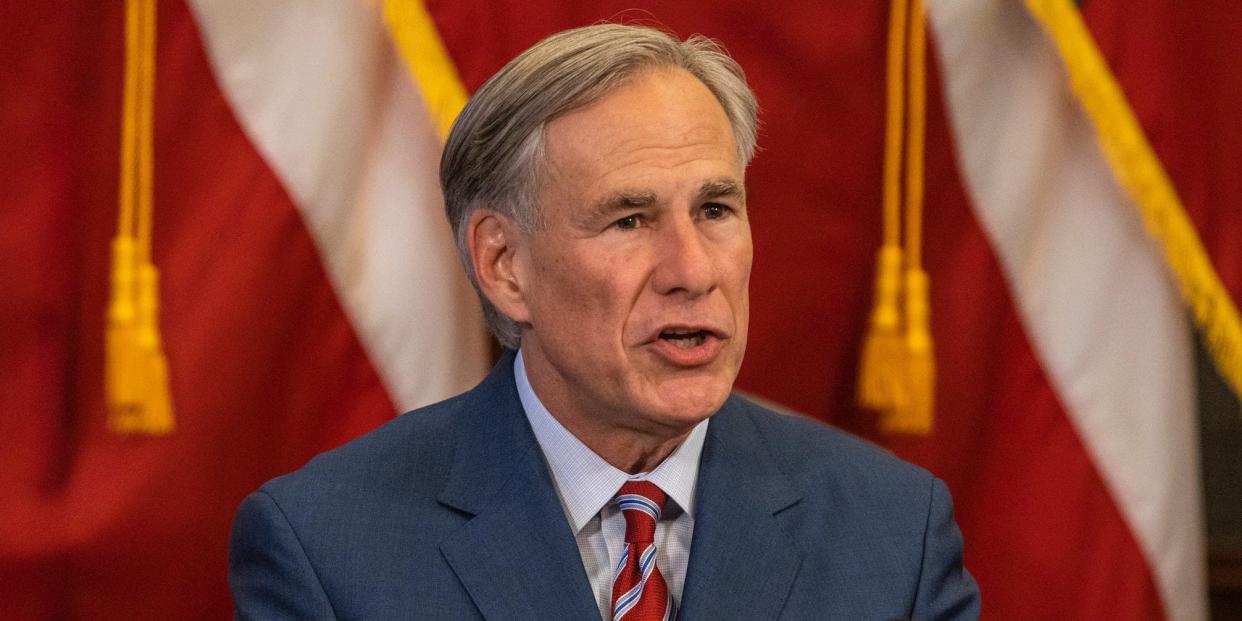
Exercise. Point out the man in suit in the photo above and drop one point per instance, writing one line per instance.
(604, 469)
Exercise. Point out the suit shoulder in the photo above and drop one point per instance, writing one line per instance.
(413, 448)
(811, 451)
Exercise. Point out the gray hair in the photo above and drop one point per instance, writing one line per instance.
(493, 155)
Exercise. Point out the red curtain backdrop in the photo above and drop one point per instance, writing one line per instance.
(268, 371)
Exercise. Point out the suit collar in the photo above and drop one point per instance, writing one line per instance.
(490, 436)
(584, 480)
(742, 561)
(516, 556)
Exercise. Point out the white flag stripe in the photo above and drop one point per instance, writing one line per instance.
(321, 92)
(1099, 308)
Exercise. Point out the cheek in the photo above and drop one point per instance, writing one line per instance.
(738, 264)
(739, 277)
(579, 290)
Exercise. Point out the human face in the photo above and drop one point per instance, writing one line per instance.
(635, 286)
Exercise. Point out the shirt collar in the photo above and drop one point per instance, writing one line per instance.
(584, 481)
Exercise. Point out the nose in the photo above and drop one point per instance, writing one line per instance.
(685, 261)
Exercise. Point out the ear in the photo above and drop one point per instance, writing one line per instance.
(495, 245)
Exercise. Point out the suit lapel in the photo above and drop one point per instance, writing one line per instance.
(517, 556)
(742, 561)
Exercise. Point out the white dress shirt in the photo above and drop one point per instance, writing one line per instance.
(586, 484)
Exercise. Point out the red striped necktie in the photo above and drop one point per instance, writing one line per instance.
(639, 592)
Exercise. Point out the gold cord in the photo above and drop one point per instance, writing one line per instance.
(1139, 172)
(896, 375)
(427, 60)
(136, 370)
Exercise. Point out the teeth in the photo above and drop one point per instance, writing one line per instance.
(683, 339)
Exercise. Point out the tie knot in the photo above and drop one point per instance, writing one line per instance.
(641, 503)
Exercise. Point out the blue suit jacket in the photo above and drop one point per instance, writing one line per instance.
(449, 512)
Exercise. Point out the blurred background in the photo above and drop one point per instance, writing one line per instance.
(1088, 358)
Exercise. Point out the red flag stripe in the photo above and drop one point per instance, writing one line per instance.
(266, 369)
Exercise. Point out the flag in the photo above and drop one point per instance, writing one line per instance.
(1107, 441)
(1064, 400)
(309, 288)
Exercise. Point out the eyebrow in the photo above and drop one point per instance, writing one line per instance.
(625, 200)
(622, 201)
(721, 188)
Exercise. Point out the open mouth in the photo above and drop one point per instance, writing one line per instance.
(684, 339)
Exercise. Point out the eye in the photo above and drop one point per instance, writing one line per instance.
(716, 211)
(629, 222)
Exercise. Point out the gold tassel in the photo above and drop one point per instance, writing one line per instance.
(136, 370)
(880, 378)
(915, 415)
(897, 373)
(157, 404)
(881, 370)
(123, 377)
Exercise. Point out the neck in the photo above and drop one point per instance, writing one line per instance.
(627, 441)
(628, 448)
(633, 454)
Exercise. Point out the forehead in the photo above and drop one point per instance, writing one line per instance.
(661, 122)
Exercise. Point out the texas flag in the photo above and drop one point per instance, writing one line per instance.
(310, 289)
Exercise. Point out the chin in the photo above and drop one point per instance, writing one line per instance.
(691, 401)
